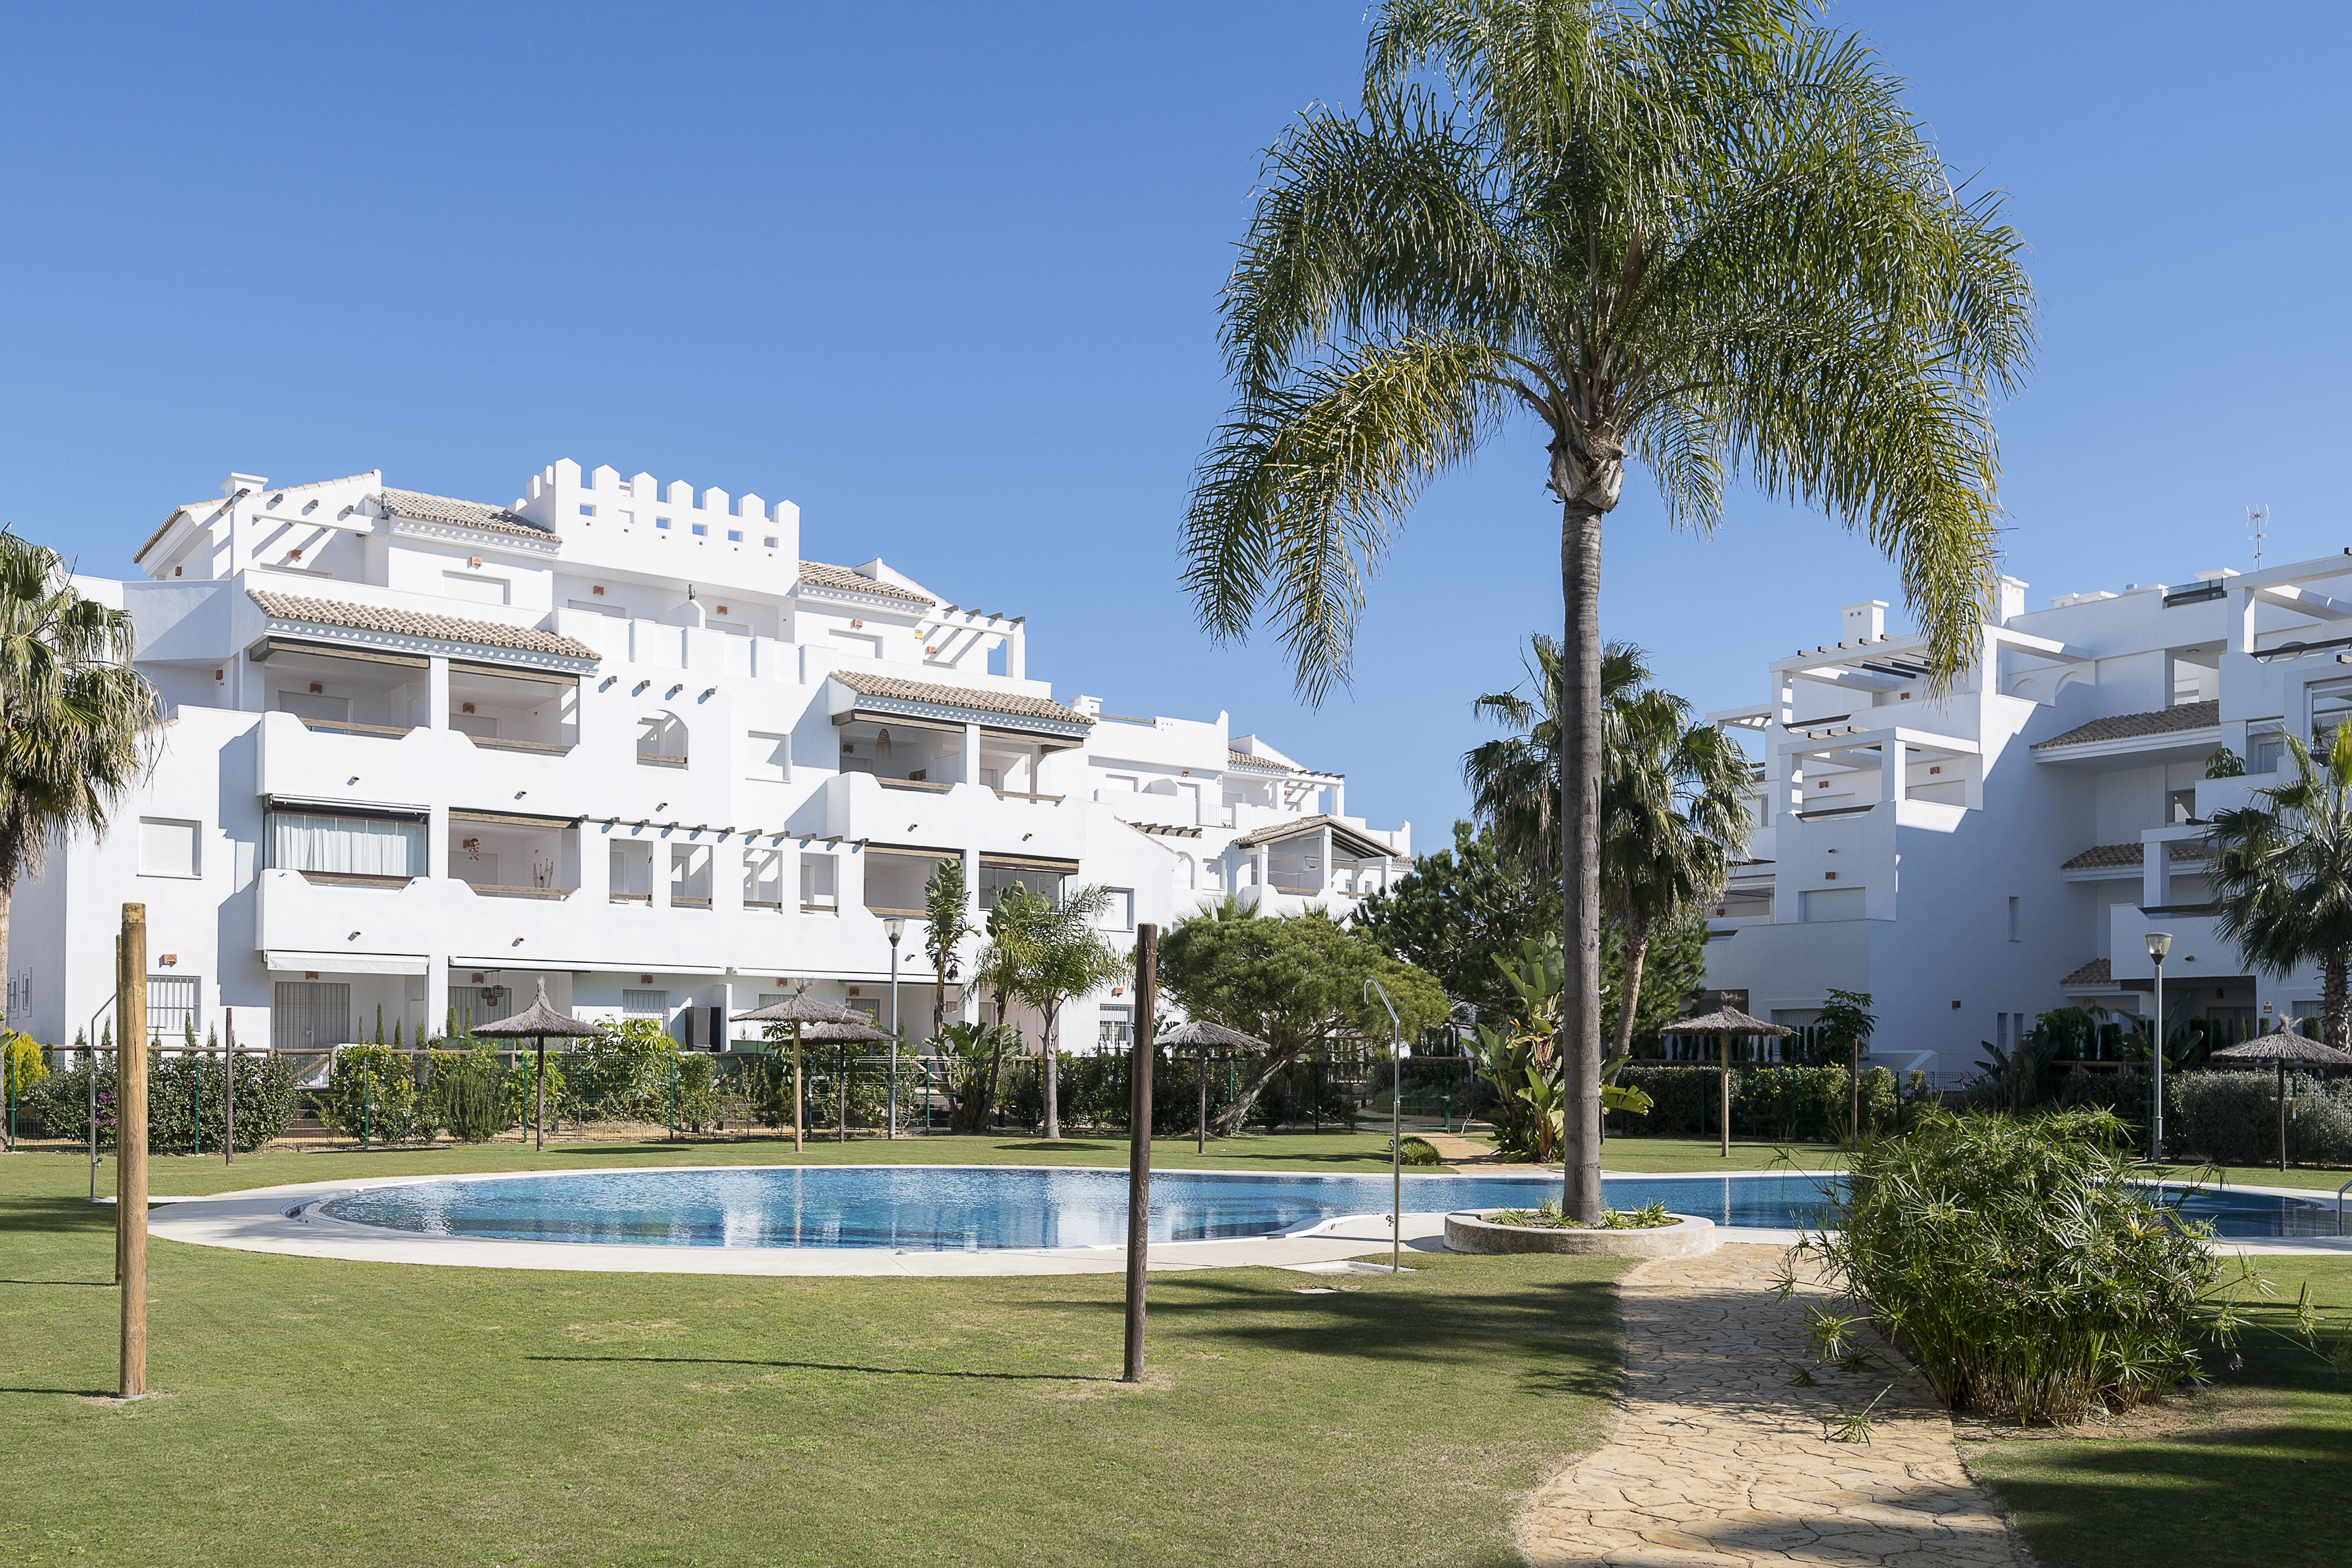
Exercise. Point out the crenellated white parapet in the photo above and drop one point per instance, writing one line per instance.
(605, 519)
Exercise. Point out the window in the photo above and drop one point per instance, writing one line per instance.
(661, 522)
(1116, 1028)
(768, 757)
(316, 705)
(661, 740)
(763, 878)
(309, 1015)
(2269, 749)
(587, 511)
(2015, 927)
(2181, 805)
(819, 885)
(171, 1007)
(346, 846)
(701, 529)
(167, 846)
(734, 536)
(1118, 914)
(768, 541)
(637, 1004)
(1832, 904)
(630, 869)
(475, 589)
(689, 874)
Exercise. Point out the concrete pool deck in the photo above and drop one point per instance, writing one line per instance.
(285, 1220)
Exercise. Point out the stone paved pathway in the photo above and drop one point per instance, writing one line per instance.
(1715, 1462)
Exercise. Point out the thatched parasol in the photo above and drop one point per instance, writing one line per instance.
(800, 1009)
(1724, 1022)
(858, 1033)
(2281, 1046)
(537, 1022)
(1202, 1037)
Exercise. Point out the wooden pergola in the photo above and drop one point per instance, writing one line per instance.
(1726, 1023)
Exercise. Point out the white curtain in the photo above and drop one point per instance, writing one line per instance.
(355, 846)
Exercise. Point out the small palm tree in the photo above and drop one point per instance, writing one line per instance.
(1515, 785)
(947, 922)
(1700, 236)
(1065, 957)
(77, 722)
(1673, 814)
(2283, 872)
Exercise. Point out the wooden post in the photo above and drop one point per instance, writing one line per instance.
(2282, 1102)
(131, 1145)
(1201, 1138)
(228, 1091)
(539, 1100)
(1725, 1038)
(800, 1098)
(1138, 1142)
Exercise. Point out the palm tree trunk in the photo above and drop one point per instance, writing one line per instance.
(1052, 1078)
(2334, 999)
(1580, 788)
(1637, 955)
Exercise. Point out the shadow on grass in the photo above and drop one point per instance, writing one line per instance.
(835, 1367)
(54, 1217)
(1059, 1146)
(2094, 1502)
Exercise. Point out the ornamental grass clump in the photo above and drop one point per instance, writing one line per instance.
(2020, 1267)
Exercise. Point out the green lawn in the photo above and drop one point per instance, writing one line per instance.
(326, 1412)
(2255, 1474)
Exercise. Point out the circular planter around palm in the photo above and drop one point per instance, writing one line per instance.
(1469, 1230)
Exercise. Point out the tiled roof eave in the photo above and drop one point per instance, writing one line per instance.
(2186, 719)
(508, 538)
(381, 627)
(1000, 709)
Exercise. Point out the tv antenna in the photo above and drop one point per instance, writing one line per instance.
(2258, 523)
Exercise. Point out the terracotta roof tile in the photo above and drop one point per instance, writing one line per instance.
(891, 688)
(1357, 842)
(463, 513)
(1244, 760)
(841, 579)
(2098, 971)
(2103, 854)
(2129, 726)
(414, 623)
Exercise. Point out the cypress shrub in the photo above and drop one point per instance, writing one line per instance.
(1784, 1103)
(179, 1090)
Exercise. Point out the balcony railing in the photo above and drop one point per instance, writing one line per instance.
(912, 783)
(499, 890)
(1024, 795)
(540, 748)
(345, 727)
(776, 904)
(354, 880)
(645, 899)
(660, 760)
(680, 902)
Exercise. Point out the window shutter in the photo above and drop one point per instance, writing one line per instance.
(167, 848)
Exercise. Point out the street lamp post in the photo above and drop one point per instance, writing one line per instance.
(894, 927)
(1396, 1125)
(2159, 942)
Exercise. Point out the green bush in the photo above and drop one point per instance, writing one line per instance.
(375, 1093)
(2232, 1118)
(1414, 1150)
(1786, 1103)
(469, 1095)
(2019, 1264)
(266, 1096)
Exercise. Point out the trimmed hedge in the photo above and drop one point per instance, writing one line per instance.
(2231, 1117)
(1789, 1103)
(266, 1094)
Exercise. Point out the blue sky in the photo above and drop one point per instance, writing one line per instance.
(946, 276)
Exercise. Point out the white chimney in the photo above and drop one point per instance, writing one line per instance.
(2012, 598)
(1866, 622)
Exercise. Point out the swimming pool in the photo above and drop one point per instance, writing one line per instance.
(971, 1208)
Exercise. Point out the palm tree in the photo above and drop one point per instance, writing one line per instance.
(2283, 872)
(947, 920)
(1674, 813)
(1702, 236)
(1066, 957)
(1514, 779)
(77, 722)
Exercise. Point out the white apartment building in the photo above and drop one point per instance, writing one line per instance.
(1974, 858)
(423, 753)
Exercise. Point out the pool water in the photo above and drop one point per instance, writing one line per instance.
(968, 1209)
